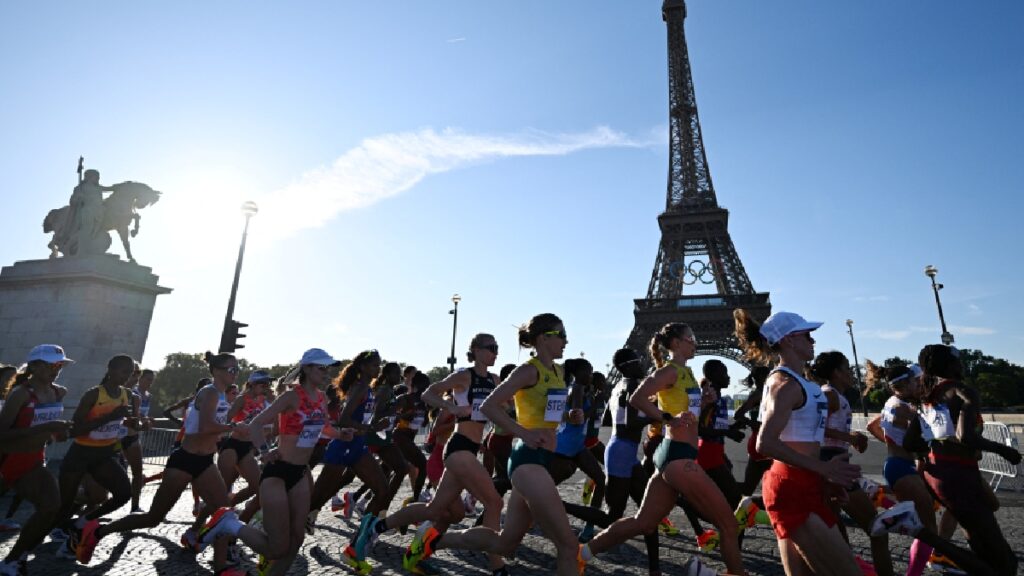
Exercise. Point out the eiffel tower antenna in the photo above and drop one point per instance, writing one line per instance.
(695, 246)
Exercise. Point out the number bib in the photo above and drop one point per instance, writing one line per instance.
(311, 430)
(477, 415)
(47, 413)
(556, 405)
(108, 431)
(938, 422)
(416, 423)
(693, 394)
(722, 415)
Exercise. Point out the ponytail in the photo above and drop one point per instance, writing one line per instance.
(748, 333)
(663, 338)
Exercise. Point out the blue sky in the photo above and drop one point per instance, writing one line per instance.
(516, 154)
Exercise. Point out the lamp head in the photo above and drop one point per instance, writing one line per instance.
(930, 271)
(456, 299)
(249, 208)
(849, 323)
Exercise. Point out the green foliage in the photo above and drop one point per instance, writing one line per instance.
(438, 373)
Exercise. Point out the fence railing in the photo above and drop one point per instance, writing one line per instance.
(994, 464)
(157, 445)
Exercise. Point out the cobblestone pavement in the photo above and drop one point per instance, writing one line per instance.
(156, 551)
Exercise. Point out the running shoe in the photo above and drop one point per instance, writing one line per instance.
(901, 519)
(223, 521)
(708, 541)
(88, 543)
(8, 525)
(66, 550)
(866, 568)
(234, 555)
(58, 535)
(581, 564)
(263, 565)
(189, 540)
(587, 534)
(367, 535)
(667, 528)
(426, 495)
(941, 563)
(137, 510)
(694, 567)
(588, 491)
(422, 546)
(311, 522)
(337, 503)
(746, 513)
(359, 566)
(360, 508)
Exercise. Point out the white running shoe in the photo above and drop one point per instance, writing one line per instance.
(694, 567)
(901, 519)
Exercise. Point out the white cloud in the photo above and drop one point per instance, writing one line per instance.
(456, 40)
(972, 330)
(974, 310)
(885, 334)
(879, 298)
(387, 165)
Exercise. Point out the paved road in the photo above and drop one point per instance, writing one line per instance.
(155, 552)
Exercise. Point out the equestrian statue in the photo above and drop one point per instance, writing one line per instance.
(83, 226)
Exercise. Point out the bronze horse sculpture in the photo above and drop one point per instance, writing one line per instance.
(119, 211)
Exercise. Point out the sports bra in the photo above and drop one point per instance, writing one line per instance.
(108, 433)
(192, 416)
(683, 395)
(806, 423)
(480, 387)
(841, 419)
(307, 421)
(250, 409)
(543, 404)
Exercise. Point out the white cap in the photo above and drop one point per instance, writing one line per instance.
(317, 356)
(48, 353)
(782, 324)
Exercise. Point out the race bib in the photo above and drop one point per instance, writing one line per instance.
(416, 423)
(555, 407)
(47, 413)
(693, 394)
(311, 430)
(477, 415)
(108, 431)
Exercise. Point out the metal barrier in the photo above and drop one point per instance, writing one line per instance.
(157, 445)
(994, 464)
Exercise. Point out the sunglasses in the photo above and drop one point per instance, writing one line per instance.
(559, 333)
(630, 361)
(230, 369)
(492, 347)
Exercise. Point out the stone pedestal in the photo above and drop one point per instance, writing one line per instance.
(94, 306)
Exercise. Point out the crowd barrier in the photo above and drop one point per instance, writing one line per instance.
(157, 445)
(996, 465)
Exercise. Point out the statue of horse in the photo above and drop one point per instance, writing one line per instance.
(119, 211)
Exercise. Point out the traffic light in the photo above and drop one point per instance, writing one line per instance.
(231, 335)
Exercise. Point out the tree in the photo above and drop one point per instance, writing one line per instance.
(179, 376)
(438, 373)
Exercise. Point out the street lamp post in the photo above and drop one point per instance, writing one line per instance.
(229, 334)
(455, 325)
(856, 364)
(931, 271)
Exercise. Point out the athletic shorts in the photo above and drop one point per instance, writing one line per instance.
(523, 454)
(896, 469)
(341, 453)
(435, 464)
(241, 447)
(292, 474)
(500, 444)
(129, 441)
(16, 465)
(710, 454)
(459, 442)
(192, 464)
(671, 450)
(791, 495)
(956, 483)
(570, 444)
(620, 457)
(81, 458)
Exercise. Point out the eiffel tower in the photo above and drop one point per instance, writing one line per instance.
(695, 245)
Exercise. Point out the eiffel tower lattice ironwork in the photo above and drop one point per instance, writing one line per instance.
(695, 244)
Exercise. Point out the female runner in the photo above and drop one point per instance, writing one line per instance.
(33, 401)
(539, 393)
(675, 458)
(793, 414)
(205, 423)
(285, 484)
(462, 469)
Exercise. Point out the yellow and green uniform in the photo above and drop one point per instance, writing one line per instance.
(541, 406)
(683, 395)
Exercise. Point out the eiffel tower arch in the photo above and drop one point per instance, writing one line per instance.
(696, 251)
